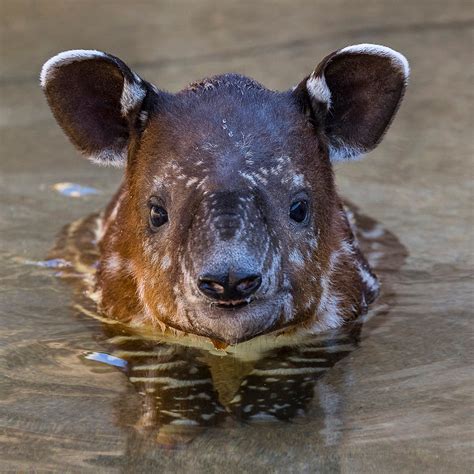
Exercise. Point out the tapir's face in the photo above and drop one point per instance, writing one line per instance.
(232, 196)
(227, 224)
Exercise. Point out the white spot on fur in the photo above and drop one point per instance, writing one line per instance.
(328, 310)
(191, 181)
(108, 157)
(95, 296)
(166, 262)
(103, 228)
(161, 308)
(249, 177)
(207, 146)
(298, 180)
(296, 257)
(347, 247)
(158, 181)
(369, 280)
(343, 152)
(313, 243)
(141, 290)
(114, 263)
(309, 303)
(202, 182)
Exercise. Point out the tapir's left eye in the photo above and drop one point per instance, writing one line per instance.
(158, 216)
(299, 211)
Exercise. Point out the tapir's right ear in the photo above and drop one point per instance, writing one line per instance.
(95, 98)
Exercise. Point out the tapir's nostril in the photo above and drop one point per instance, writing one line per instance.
(229, 286)
(248, 285)
(211, 286)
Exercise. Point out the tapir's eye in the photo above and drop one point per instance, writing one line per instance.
(299, 211)
(158, 215)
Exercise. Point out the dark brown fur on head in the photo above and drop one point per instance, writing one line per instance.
(227, 224)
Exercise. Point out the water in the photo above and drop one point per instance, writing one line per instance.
(93, 391)
(400, 400)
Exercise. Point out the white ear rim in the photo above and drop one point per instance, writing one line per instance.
(66, 57)
(397, 58)
(132, 94)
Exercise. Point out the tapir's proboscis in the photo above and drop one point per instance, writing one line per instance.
(227, 225)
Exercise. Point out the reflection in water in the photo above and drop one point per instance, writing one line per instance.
(186, 389)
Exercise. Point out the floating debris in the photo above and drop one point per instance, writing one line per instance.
(52, 263)
(74, 190)
(106, 359)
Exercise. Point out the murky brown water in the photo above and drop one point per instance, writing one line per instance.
(399, 398)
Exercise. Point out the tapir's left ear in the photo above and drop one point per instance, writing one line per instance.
(355, 93)
(95, 98)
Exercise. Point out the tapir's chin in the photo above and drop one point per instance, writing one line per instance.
(239, 324)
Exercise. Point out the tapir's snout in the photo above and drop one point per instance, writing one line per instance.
(231, 290)
(229, 242)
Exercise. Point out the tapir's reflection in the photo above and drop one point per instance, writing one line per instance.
(186, 389)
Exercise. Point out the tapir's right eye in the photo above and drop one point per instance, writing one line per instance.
(299, 211)
(158, 215)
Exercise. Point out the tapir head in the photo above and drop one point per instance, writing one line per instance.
(227, 224)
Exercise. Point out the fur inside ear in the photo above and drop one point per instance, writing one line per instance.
(359, 89)
(94, 97)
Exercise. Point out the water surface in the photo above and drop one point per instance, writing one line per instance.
(399, 401)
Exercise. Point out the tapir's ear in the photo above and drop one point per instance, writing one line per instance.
(355, 92)
(95, 98)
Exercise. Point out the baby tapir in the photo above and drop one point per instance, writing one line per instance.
(227, 224)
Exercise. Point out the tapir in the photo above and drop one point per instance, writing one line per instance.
(227, 224)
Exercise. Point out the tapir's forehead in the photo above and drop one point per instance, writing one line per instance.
(229, 128)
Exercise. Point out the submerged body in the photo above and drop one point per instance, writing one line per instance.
(227, 224)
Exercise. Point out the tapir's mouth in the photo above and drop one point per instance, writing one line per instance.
(233, 304)
(237, 321)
